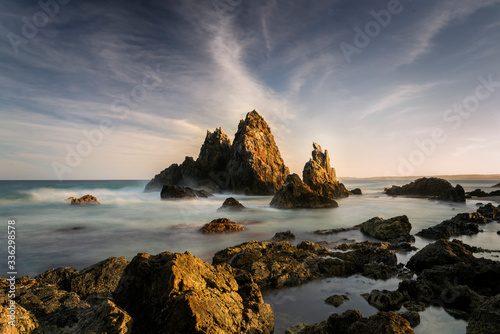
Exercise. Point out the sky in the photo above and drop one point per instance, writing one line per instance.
(122, 89)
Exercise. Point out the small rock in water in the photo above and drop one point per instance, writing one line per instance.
(282, 236)
(85, 200)
(221, 225)
(231, 204)
(356, 191)
(336, 300)
(498, 232)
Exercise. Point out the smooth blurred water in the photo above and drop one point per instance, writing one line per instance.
(52, 233)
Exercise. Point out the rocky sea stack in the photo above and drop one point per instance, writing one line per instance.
(252, 164)
(321, 177)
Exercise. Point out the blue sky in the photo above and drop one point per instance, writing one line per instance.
(122, 89)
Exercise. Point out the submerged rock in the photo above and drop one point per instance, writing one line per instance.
(168, 192)
(85, 200)
(429, 187)
(355, 191)
(221, 225)
(283, 236)
(296, 194)
(231, 204)
(336, 300)
(395, 229)
(321, 177)
(384, 300)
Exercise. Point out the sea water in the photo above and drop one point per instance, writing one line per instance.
(51, 233)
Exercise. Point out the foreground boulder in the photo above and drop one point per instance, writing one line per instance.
(280, 264)
(251, 165)
(395, 229)
(179, 293)
(352, 322)
(429, 187)
(296, 194)
(176, 192)
(85, 200)
(166, 293)
(231, 204)
(221, 225)
(321, 177)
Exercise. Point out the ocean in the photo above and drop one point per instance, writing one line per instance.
(51, 233)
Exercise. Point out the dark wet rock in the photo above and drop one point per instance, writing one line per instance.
(490, 211)
(486, 317)
(417, 294)
(179, 293)
(429, 187)
(85, 200)
(395, 229)
(412, 317)
(461, 224)
(422, 187)
(283, 236)
(498, 232)
(384, 300)
(496, 185)
(231, 204)
(481, 193)
(336, 300)
(352, 322)
(337, 230)
(280, 264)
(175, 192)
(355, 191)
(251, 165)
(456, 194)
(255, 166)
(296, 194)
(221, 225)
(321, 177)
(441, 252)
(478, 193)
